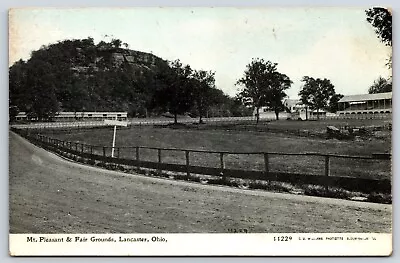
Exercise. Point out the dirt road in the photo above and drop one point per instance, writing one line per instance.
(48, 194)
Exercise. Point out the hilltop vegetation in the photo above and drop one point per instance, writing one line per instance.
(79, 75)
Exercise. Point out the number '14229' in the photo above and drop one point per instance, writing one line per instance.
(283, 238)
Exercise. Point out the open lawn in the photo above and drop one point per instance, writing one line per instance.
(245, 141)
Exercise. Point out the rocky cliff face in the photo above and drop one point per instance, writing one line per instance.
(77, 75)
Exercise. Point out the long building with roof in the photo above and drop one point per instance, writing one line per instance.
(366, 104)
(74, 116)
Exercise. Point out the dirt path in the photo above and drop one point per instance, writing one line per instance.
(48, 194)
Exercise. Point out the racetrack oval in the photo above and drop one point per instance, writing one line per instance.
(54, 195)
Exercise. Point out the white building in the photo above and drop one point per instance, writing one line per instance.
(269, 114)
(81, 116)
(299, 111)
(366, 104)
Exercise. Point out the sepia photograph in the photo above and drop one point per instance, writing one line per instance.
(174, 130)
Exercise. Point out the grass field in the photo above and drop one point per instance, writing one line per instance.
(320, 126)
(247, 141)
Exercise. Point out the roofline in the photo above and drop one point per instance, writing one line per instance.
(366, 97)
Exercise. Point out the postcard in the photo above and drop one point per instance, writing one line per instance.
(226, 131)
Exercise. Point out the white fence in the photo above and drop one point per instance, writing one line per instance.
(131, 122)
(140, 122)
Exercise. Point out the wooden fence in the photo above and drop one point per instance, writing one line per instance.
(103, 154)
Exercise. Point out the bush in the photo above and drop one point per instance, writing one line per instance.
(121, 168)
(217, 180)
(323, 191)
(101, 164)
(380, 198)
(282, 186)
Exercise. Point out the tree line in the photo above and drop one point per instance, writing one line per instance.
(263, 85)
(77, 75)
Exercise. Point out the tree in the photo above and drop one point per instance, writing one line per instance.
(380, 85)
(316, 93)
(381, 19)
(18, 91)
(116, 43)
(203, 85)
(42, 82)
(12, 113)
(174, 89)
(263, 85)
(333, 105)
(277, 93)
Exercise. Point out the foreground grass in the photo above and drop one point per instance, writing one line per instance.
(220, 140)
(70, 198)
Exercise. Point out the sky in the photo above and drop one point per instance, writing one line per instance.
(333, 43)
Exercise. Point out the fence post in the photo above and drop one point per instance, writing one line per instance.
(104, 151)
(159, 161)
(187, 163)
(327, 171)
(117, 152)
(327, 165)
(91, 149)
(76, 146)
(137, 158)
(221, 158)
(82, 147)
(266, 163)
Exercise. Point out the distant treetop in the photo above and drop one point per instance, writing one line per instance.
(381, 19)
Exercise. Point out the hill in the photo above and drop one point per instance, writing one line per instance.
(77, 75)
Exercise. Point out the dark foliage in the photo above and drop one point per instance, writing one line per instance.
(380, 85)
(263, 85)
(333, 105)
(316, 93)
(381, 19)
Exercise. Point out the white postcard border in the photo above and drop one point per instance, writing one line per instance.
(279, 244)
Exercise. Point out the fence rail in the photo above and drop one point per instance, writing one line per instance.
(134, 158)
(354, 116)
(211, 120)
